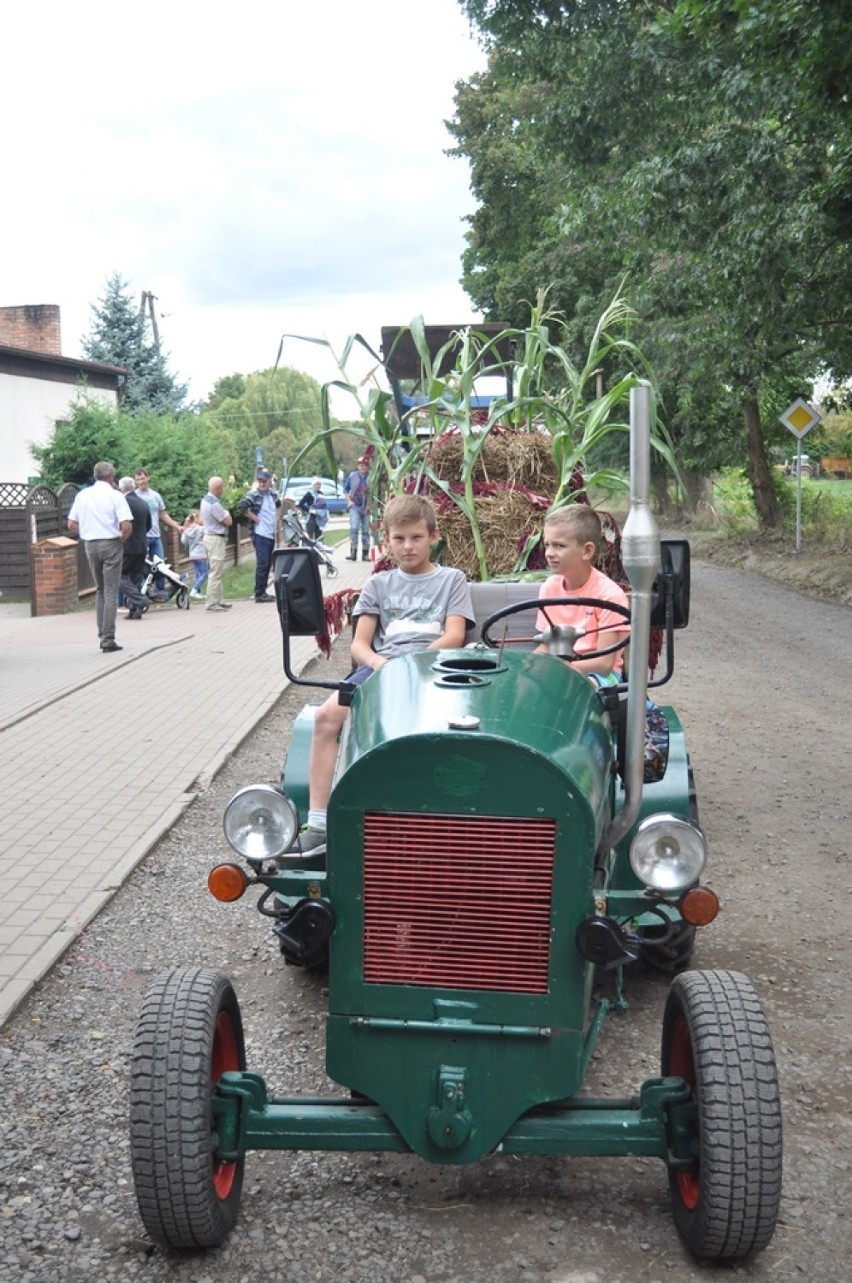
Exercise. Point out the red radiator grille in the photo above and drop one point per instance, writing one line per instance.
(458, 902)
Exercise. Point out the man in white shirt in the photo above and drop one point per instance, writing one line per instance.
(101, 516)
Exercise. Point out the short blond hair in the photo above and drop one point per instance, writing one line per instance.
(577, 520)
(407, 508)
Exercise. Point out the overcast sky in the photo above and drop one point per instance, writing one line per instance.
(260, 168)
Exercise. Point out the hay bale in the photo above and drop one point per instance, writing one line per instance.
(515, 479)
(529, 462)
(505, 519)
(508, 455)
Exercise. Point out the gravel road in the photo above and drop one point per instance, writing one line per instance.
(763, 687)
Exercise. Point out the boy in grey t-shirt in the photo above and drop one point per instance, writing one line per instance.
(416, 606)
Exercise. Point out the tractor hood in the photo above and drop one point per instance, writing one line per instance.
(444, 729)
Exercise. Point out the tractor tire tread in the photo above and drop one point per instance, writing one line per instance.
(169, 1109)
(739, 1114)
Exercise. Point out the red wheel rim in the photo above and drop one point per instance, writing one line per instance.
(223, 1057)
(681, 1065)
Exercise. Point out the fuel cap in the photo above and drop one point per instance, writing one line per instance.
(467, 722)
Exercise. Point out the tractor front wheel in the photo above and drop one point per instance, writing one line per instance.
(189, 1033)
(716, 1038)
(182, 601)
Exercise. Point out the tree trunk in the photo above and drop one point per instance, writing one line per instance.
(660, 481)
(699, 489)
(757, 469)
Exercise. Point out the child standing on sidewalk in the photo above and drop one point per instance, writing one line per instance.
(192, 539)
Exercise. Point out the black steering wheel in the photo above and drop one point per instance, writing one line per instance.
(541, 603)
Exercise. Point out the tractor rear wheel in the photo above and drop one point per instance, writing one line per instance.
(189, 1033)
(716, 1038)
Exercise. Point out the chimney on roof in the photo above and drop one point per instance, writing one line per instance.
(34, 327)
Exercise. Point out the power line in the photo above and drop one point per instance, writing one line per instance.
(258, 414)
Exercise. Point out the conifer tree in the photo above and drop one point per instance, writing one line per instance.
(119, 336)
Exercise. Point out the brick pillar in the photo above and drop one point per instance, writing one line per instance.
(54, 576)
(171, 545)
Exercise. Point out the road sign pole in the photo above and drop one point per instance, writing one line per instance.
(799, 418)
(799, 495)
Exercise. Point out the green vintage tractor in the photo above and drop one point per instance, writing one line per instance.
(496, 844)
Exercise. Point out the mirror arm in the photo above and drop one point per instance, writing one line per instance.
(669, 626)
(346, 688)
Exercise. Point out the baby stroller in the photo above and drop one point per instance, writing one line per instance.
(173, 586)
(295, 536)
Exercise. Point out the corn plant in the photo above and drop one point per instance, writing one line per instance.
(549, 393)
(374, 426)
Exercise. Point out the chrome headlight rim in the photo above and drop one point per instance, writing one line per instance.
(260, 823)
(668, 852)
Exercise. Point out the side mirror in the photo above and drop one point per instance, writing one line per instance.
(672, 582)
(298, 591)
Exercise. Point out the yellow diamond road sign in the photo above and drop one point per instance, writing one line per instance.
(800, 417)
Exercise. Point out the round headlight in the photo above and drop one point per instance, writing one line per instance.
(260, 823)
(667, 852)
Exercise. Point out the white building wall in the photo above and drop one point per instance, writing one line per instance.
(28, 410)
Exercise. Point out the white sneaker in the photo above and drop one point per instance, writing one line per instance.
(196, 595)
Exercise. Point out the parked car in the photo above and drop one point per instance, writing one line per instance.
(295, 487)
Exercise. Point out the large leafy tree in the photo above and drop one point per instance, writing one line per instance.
(278, 410)
(687, 147)
(119, 336)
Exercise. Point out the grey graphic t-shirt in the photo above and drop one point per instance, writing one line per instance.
(413, 609)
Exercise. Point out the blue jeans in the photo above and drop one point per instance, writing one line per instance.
(263, 560)
(199, 567)
(359, 521)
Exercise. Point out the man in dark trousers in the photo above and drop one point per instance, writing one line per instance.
(260, 507)
(135, 551)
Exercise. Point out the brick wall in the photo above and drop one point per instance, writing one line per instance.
(35, 328)
(54, 576)
(171, 544)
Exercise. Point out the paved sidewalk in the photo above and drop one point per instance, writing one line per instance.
(85, 796)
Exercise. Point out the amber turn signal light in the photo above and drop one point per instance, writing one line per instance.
(227, 882)
(698, 906)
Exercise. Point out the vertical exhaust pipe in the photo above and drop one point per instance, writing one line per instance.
(640, 554)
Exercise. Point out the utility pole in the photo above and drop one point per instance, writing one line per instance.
(146, 304)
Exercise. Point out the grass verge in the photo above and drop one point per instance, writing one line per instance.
(239, 579)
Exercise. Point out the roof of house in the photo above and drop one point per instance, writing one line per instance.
(59, 369)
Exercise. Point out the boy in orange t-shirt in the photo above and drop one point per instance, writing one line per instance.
(571, 538)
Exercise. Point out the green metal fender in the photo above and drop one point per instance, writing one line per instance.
(294, 768)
